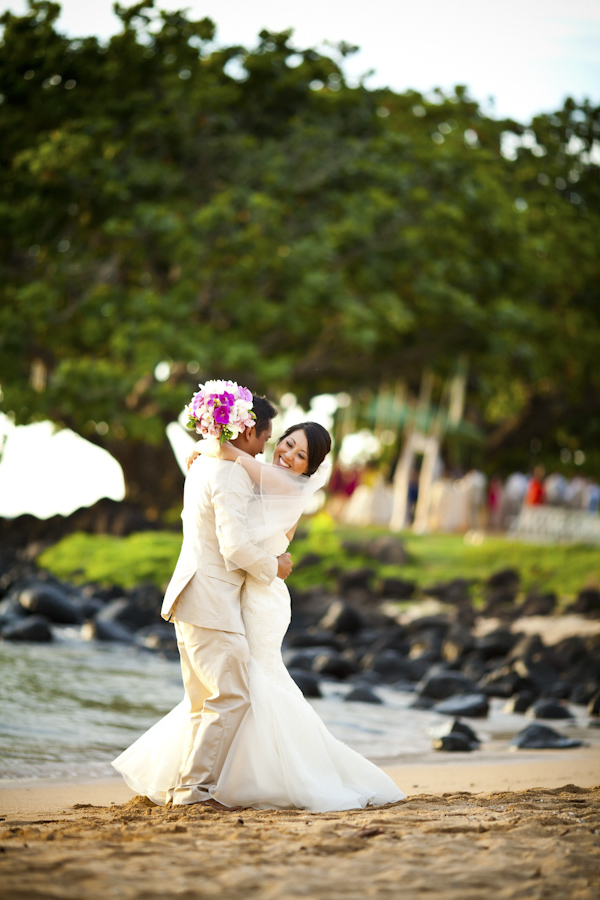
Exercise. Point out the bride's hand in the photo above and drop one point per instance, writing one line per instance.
(193, 455)
(228, 451)
(207, 447)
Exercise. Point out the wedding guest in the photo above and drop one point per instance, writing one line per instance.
(536, 494)
(513, 496)
(494, 502)
(592, 496)
(555, 486)
(574, 493)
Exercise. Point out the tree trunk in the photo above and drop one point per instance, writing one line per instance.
(431, 449)
(399, 519)
(153, 479)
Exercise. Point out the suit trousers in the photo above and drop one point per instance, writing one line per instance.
(214, 665)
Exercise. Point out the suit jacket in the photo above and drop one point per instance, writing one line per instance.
(202, 592)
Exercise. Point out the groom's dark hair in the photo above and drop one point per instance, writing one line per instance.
(264, 412)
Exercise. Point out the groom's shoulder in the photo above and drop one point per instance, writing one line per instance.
(218, 473)
(230, 475)
(202, 471)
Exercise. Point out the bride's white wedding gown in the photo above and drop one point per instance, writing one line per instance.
(282, 756)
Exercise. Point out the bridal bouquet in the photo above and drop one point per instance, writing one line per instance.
(221, 409)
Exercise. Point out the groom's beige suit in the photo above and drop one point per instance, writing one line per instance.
(203, 600)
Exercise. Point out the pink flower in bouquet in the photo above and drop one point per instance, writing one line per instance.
(222, 415)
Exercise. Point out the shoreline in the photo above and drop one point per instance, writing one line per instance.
(456, 772)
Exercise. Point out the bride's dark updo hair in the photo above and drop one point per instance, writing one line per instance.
(318, 440)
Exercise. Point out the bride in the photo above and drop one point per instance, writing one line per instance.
(282, 755)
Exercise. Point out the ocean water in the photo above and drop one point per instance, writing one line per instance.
(68, 708)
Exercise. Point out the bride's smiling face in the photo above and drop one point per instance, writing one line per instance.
(292, 452)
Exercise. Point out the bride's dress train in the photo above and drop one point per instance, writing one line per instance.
(282, 756)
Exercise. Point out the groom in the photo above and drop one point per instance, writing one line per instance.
(203, 600)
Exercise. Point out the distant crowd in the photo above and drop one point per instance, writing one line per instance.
(505, 499)
(459, 502)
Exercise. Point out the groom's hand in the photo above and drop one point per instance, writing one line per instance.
(284, 565)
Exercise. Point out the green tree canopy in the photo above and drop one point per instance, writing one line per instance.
(246, 213)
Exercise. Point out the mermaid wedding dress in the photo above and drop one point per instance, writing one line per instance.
(282, 756)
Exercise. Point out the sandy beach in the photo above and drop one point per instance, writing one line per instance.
(526, 827)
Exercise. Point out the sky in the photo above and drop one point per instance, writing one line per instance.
(528, 55)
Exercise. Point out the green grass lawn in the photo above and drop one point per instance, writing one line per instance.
(126, 561)
(151, 556)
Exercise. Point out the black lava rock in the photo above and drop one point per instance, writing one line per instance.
(537, 672)
(505, 579)
(313, 638)
(160, 637)
(594, 705)
(390, 665)
(455, 727)
(570, 651)
(387, 549)
(583, 693)
(307, 682)
(474, 667)
(396, 588)
(500, 682)
(35, 629)
(472, 706)
(496, 643)
(538, 604)
(107, 631)
(422, 703)
(104, 593)
(342, 618)
(458, 642)
(527, 647)
(540, 737)
(427, 643)
(10, 611)
(88, 607)
(141, 607)
(333, 665)
(452, 743)
(520, 703)
(443, 683)
(394, 638)
(550, 709)
(303, 658)
(355, 578)
(124, 612)
(364, 679)
(362, 694)
(456, 591)
(560, 690)
(46, 600)
(403, 685)
(147, 596)
(587, 603)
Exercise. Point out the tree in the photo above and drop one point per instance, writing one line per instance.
(247, 214)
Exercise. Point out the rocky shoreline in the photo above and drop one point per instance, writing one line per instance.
(356, 637)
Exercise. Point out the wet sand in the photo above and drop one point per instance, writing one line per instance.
(435, 774)
(460, 835)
